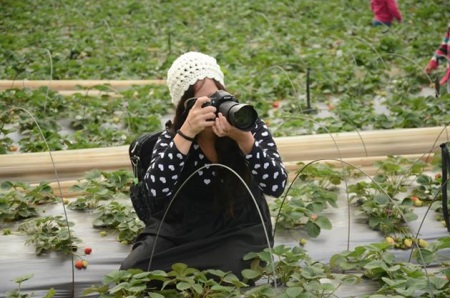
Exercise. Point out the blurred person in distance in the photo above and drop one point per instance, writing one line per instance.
(385, 12)
(440, 55)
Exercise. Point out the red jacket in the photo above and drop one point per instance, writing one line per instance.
(442, 54)
(385, 11)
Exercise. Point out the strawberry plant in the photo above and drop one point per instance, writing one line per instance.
(97, 186)
(17, 293)
(18, 200)
(118, 218)
(117, 181)
(39, 194)
(291, 126)
(33, 141)
(375, 262)
(378, 199)
(293, 268)
(302, 208)
(129, 229)
(323, 174)
(50, 233)
(15, 206)
(394, 173)
(433, 252)
(386, 215)
(99, 136)
(429, 188)
(308, 196)
(6, 143)
(191, 282)
(110, 215)
(181, 281)
(123, 283)
(356, 114)
(372, 261)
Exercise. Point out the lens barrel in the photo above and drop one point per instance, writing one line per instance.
(242, 116)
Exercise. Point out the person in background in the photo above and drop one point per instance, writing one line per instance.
(440, 55)
(384, 12)
(213, 221)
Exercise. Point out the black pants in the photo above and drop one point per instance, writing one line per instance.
(223, 252)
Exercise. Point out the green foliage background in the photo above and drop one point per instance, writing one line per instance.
(264, 47)
(138, 39)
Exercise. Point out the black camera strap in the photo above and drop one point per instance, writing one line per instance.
(445, 171)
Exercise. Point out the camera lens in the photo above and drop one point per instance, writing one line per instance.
(242, 116)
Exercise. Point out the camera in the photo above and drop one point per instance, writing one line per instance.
(242, 116)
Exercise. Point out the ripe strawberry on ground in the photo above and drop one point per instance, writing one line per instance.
(276, 104)
(88, 250)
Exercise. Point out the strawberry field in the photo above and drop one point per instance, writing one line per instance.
(361, 127)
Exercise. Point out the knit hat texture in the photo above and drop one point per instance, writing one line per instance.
(189, 68)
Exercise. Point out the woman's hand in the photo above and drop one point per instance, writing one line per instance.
(222, 128)
(199, 117)
(428, 69)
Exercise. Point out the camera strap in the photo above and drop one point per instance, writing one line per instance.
(189, 103)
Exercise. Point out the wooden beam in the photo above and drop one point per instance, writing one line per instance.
(90, 92)
(58, 85)
(73, 164)
(362, 144)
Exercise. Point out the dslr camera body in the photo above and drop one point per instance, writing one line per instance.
(242, 116)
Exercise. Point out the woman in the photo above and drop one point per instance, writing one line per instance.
(209, 220)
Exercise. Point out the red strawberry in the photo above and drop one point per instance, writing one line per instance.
(276, 104)
(79, 264)
(88, 250)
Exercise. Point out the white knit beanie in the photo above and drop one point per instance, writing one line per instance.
(189, 68)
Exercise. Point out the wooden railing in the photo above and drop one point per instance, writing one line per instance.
(359, 150)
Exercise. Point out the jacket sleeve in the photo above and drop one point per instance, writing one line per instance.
(265, 162)
(165, 167)
(393, 8)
